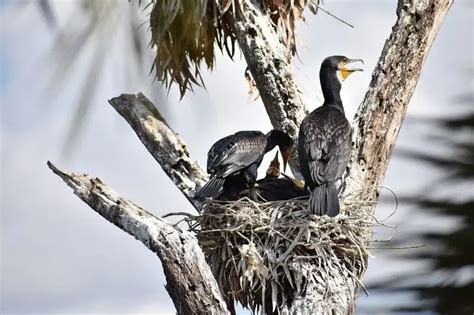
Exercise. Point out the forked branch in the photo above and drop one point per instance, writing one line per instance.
(190, 282)
(378, 119)
(380, 115)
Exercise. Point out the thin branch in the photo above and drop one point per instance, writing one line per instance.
(168, 149)
(400, 247)
(190, 282)
(334, 16)
(179, 213)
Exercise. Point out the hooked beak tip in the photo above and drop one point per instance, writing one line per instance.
(285, 162)
(353, 61)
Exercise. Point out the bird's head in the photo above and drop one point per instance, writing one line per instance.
(283, 141)
(273, 169)
(341, 66)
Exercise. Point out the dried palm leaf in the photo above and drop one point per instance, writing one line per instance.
(88, 33)
(183, 32)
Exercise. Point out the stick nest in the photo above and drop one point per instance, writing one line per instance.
(263, 255)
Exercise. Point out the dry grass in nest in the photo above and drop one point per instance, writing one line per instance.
(279, 248)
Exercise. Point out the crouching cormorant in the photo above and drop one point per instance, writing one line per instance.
(232, 161)
(324, 142)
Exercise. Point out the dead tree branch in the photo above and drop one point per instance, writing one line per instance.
(190, 282)
(381, 113)
(168, 149)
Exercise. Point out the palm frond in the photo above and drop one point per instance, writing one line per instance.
(183, 32)
(285, 14)
(89, 33)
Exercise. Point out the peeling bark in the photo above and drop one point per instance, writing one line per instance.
(380, 116)
(168, 149)
(190, 282)
(376, 123)
(381, 113)
(266, 59)
(265, 56)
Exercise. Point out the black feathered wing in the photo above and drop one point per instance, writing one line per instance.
(230, 155)
(237, 155)
(324, 148)
(325, 142)
(211, 189)
(328, 158)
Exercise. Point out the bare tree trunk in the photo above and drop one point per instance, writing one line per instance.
(378, 119)
(380, 116)
(266, 59)
(265, 56)
(376, 126)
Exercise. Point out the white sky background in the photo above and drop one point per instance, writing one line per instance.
(58, 256)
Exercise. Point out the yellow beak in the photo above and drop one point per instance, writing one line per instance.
(286, 156)
(346, 71)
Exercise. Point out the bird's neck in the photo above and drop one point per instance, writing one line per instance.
(273, 139)
(331, 87)
(271, 143)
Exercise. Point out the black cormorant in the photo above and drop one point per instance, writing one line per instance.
(232, 161)
(324, 142)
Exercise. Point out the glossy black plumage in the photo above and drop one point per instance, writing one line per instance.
(274, 189)
(233, 161)
(324, 143)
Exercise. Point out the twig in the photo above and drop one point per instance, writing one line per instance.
(181, 213)
(401, 247)
(332, 15)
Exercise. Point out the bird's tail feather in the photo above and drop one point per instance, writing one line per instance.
(211, 189)
(324, 200)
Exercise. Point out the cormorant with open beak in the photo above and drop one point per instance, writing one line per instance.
(324, 142)
(232, 161)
